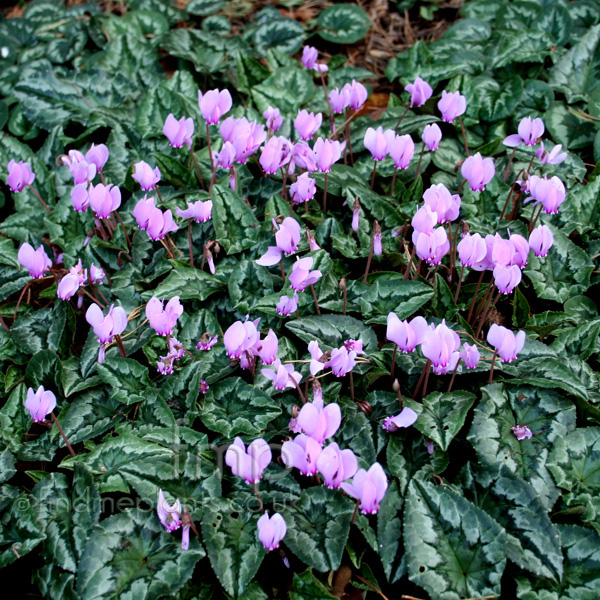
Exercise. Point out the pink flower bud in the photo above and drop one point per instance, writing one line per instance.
(452, 105)
(432, 135)
(407, 336)
(19, 175)
(376, 143)
(401, 149)
(357, 94)
(107, 327)
(146, 176)
(273, 118)
(40, 403)
(339, 100)
(342, 361)
(470, 355)
(267, 350)
(286, 305)
(68, 286)
(301, 275)
(336, 465)
(214, 104)
(440, 346)
(275, 154)
(80, 198)
(283, 376)
(420, 91)
(320, 422)
(442, 202)
(327, 152)
(478, 171)
(309, 56)
(207, 341)
(541, 240)
(169, 516)
(522, 432)
(96, 274)
(240, 337)
(301, 453)
(97, 155)
(471, 249)
(507, 278)
(554, 157)
(550, 193)
(271, 530)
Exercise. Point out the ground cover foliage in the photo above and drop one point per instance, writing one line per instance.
(470, 510)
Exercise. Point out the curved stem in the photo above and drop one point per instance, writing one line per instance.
(312, 289)
(39, 198)
(505, 174)
(464, 134)
(492, 367)
(64, 437)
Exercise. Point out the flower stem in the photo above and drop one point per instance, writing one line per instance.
(464, 134)
(462, 270)
(401, 118)
(331, 117)
(393, 361)
(420, 160)
(196, 168)
(426, 381)
(373, 175)
(312, 289)
(39, 198)
(123, 228)
(393, 182)
(505, 174)
(212, 160)
(492, 367)
(453, 376)
(120, 346)
(351, 386)
(325, 195)
(475, 296)
(425, 368)
(64, 437)
(190, 242)
(260, 502)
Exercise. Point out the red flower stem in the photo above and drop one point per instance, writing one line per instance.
(282, 271)
(64, 437)
(393, 361)
(425, 368)
(453, 376)
(212, 160)
(120, 346)
(373, 175)
(401, 118)
(312, 289)
(462, 270)
(409, 265)
(190, 242)
(331, 117)
(39, 198)
(260, 502)
(475, 296)
(464, 134)
(325, 195)
(492, 367)
(355, 513)
(420, 159)
(20, 298)
(351, 386)
(123, 228)
(92, 298)
(505, 174)
(3, 323)
(299, 390)
(393, 182)
(369, 260)
(485, 312)
(196, 168)
(426, 381)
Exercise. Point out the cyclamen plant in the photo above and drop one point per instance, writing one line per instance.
(218, 358)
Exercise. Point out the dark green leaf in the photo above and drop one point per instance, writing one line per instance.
(343, 23)
(128, 379)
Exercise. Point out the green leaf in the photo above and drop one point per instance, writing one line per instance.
(287, 88)
(582, 209)
(284, 35)
(453, 548)
(564, 273)
(130, 555)
(577, 72)
(331, 331)
(248, 283)
(235, 225)
(568, 128)
(44, 369)
(232, 543)
(575, 465)
(186, 282)
(318, 527)
(201, 8)
(389, 528)
(40, 330)
(533, 541)
(343, 24)
(233, 407)
(499, 100)
(307, 587)
(128, 380)
(393, 295)
(547, 414)
(581, 340)
(8, 253)
(441, 416)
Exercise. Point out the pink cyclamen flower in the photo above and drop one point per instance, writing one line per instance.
(541, 240)
(302, 276)
(407, 336)
(319, 422)
(432, 247)
(241, 337)
(309, 56)
(471, 249)
(327, 152)
(68, 286)
(286, 305)
(420, 91)
(80, 198)
(97, 274)
(246, 138)
(214, 104)
(19, 175)
(530, 130)
(82, 171)
(302, 156)
(478, 171)
(377, 240)
(104, 199)
(522, 432)
(107, 327)
(336, 465)
(401, 149)
(287, 238)
(342, 361)
(432, 135)
(440, 346)
(207, 341)
(554, 157)
(199, 211)
(550, 193)
(301, 453)
(36, 262)
(317, 358)
(506, 343)
(406, 418)
(307, 124)
(267, 348)
(369, 487)
(357, 94)
(507, 278)
(303, 189)
(275, 154)
(273, 118)
(226, 157)
(470, 355)
(248, 463)
(179, 132)
(284, 376)
(271, 530)
(160, 224)
(40, 404)
(424, 221)
(163, 318)
(142, 212)
(452, 105)
(442, 202)
(376, 142)
(339, 100)
(145, 175)
(169, 515)
(521, 246)
(97, 155)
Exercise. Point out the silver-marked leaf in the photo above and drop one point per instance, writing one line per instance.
(127, 379)
(343, 23)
